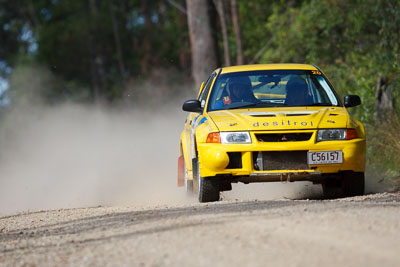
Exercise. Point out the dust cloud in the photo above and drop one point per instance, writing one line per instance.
(76, 156)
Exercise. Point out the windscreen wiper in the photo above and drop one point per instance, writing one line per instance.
(314, 104)
(241, 105)
(320, 104)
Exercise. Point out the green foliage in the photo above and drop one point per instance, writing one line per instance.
(253, 17)
(78, 42)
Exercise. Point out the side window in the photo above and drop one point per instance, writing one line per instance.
(206, 90)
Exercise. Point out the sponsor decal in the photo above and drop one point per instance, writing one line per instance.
(284, 123)
(227, 100)
(202, 121)
(316, 72)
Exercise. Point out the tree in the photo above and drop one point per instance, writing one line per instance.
(97, 58)
(237, 31)
(117, 38)
(221, 13)
(204, 59)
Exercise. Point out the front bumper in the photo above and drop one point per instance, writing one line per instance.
(214, 159)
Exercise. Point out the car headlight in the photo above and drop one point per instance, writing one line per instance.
(235, 137)
(336, 134)
(229, 138)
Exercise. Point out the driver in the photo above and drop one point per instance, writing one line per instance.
(297, 92)
(237, 89)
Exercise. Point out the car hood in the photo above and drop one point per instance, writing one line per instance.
(295, 118)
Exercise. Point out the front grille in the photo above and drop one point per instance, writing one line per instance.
(283, 160)
(283, 137)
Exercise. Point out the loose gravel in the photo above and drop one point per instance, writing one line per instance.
(358, 231)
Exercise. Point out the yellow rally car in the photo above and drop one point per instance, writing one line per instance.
(268, 123)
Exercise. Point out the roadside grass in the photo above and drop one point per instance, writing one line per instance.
(383, 151)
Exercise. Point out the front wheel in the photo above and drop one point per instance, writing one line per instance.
(353, 184)
(208, 187)
(349, 185)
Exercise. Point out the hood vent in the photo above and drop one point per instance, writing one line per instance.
(264, 115)
(296, 115)
(287, 115)
(276, 113)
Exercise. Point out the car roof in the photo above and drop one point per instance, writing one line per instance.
(288, 66)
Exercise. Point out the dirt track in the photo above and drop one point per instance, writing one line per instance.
(362, 231)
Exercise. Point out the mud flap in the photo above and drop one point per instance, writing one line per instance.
(181, 172)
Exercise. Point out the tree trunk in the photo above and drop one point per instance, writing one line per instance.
(146, 42)
(117, 38)
(32, 13)
(238, 35)
(184, 52)
(97, 59)
(219, 4)
(90, 36)
(384, 99)
(204, 59)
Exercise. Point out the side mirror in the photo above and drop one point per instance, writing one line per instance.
(192, 105)
(351, 101)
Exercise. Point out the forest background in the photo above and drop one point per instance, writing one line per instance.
(111, 51)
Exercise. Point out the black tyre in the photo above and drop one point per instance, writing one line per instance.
(332, 188)
(208, 187)
(349, 185)
(353, 184)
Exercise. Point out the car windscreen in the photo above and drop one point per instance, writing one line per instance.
(271, 88)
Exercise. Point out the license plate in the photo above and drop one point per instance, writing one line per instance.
(325, 157)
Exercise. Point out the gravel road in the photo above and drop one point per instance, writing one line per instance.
(360, 231)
